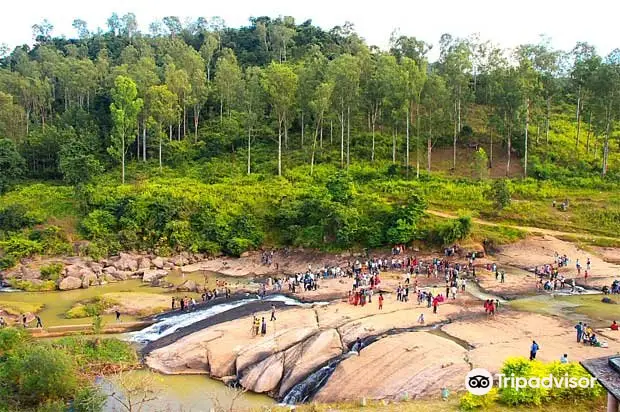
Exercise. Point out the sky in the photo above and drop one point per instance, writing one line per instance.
(506, 23)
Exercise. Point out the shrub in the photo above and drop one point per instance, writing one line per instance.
(469, 402)
(51, 271)
(500, 193)
(37, 374)
(28, 286)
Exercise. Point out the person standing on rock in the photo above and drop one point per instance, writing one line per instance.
(255, 326)
(24, 321)
(182, 302)
(503, 278)
(118, 315)
(263, 329)
(579, 328)
(435, 304)
(273, 312)
(39, 323)
(533, 350)
(380, 300)
(174, 303)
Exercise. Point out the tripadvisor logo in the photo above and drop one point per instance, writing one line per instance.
(480, 382)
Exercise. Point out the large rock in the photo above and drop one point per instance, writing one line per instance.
(187, 286)
(69, 283)
(144, 263)
(29, 274)
(74, 271)
(110, 270)
(158, 262)
(303, 358)
(179, 260)
(265, 375)
(96, 268)
(126, 262)
(154, 274)
(88, 278)
(410, 364)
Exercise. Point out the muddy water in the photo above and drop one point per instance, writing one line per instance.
(187, 393)
(56, 303)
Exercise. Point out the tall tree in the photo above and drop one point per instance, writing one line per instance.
(280, 84)
(253, 98)
(124, 110)
(163, 108)
(344, 72)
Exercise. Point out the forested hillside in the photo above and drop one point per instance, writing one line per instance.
(197, 136)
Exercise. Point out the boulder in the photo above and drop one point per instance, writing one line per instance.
(265, 375)
(73, 270)
(110, 270)
(144, 263)
(168, 266)
(179, 260)
(158, 262)
(88, 279)
(121, 275)
(29, 274)
(187, 286)
(151, 275)
(96, 268)
(126, 262)
(69, 283)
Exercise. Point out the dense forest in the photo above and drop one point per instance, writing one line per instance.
(197, 136)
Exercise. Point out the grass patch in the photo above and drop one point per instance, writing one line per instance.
(29, 286)
(92, 353)
(17, 308)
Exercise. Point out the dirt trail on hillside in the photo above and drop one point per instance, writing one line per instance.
(529, 229)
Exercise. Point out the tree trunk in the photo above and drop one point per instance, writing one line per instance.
(454, 139)
(407, 141)
(331, 132)
(138, 140)
(342, 137)
(606, 143)
(280, 146)
(161, 138)
(123, 158)
(184, 121)
(491, 150)
(196, 120)
(527, 121)
(372, 152)
(316, 132)
(578, 121)
(547, 120)
(170, 135)
(249, 148)
(417, 139)
(394, 146)
(302, 129)
(285, 132)
(509, 141)
(221, 110)
(589, 134)
(321, 134)
(144, 140)
(348, 135)
(429, 141)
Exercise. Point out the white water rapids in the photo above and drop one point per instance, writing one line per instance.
(171, 324)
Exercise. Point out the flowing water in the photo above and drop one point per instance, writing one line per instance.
(171, 324)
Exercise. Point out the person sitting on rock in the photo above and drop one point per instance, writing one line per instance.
(614, 326)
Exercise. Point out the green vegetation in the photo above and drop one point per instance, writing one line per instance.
(38, 375)
(216, 140)
(17, 308)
